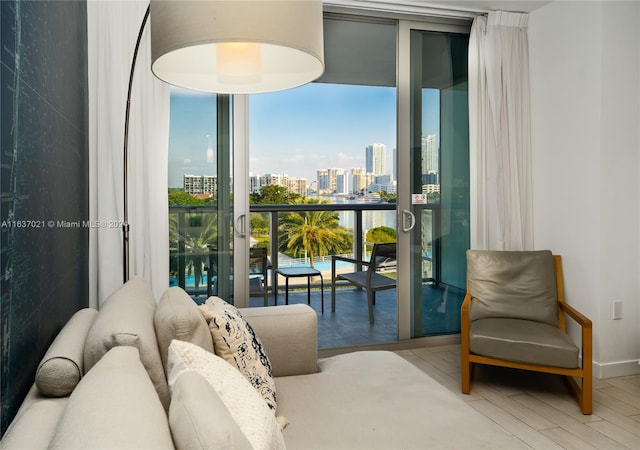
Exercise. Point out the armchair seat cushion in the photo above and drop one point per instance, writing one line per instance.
(523, 341)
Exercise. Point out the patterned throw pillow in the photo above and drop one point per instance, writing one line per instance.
(235, 341)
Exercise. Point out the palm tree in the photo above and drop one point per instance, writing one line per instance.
(315, 232)
(198, 235)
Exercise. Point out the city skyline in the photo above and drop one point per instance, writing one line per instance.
(295, 132)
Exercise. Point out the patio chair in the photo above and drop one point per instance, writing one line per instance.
(382, 256)
(258, 267)
(513, 315)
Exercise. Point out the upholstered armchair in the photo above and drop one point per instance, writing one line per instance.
(514, 315)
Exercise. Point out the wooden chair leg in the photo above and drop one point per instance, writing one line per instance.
(586, 402)
(583, 394)
(466, 374)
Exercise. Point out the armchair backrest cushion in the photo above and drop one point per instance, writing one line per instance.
(512, 284)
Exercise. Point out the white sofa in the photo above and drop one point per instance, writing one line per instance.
(102, 384)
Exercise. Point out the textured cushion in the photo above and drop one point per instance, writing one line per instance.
(236, 342)
(62, 366)
(198, 417)
(523, 341)
(114, 406)
(516, 285)
(126, 318)
(246, 406)
(177, 317)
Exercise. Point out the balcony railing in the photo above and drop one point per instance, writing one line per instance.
(195, 263)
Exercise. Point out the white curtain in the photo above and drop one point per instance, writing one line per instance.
(113, 29)
(500, 135)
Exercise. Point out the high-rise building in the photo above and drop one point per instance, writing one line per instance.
(192, 184)
(254, 184)
(429, 154)
(333, 177)
(200, 184)
(394, 172)
(343, 183)
(376, 159)
(293, 185)
(360, 180)
(297, 186)
(430, 165)
(277, 179)
(323, 180)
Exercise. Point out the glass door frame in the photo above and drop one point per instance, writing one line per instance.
(406, 291)
(241, 244)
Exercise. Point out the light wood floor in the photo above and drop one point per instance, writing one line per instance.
(537, 408)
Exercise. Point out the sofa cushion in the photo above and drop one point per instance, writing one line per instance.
(236, 342)
(114, 406)
(62, 366)
(198, 417)
(512, 285)
(177, 317)
(378, 400)
(523, 341)
(246, 406)
(126, 318)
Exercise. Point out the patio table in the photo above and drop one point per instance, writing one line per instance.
(293, 272)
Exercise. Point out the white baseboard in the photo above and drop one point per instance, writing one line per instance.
(616, 369)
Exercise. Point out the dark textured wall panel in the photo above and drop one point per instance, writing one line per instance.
(44, 180)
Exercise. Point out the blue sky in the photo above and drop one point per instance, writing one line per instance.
(320, 126)
(297, 132)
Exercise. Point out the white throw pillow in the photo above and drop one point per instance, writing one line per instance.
(246, 406)
(235, 341)
(199, 419)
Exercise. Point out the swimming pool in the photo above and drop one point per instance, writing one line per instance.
(322, 266)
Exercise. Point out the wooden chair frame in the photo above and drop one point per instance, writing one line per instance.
(582, 393)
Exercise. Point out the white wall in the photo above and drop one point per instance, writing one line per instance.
(585, 90)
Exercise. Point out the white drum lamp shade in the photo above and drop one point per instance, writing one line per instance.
(237, 47)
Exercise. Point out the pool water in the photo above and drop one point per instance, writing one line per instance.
(322, 266)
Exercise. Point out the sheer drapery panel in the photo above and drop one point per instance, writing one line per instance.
(113, 28)
(500, 135)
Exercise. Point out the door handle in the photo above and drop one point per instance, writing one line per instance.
(412, 220)
(241, 225)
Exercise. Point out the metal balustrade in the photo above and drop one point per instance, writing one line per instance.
(193, 238)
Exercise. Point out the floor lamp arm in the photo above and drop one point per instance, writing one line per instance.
(125, 223)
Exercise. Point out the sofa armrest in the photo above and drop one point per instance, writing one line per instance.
(289, 334)
(35, 423)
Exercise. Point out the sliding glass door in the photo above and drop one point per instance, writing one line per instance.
(380, 72)
(434, 199)
(200, 194)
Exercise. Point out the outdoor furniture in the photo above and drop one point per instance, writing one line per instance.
(382, 256)
(258, 267)
(513, 315)
(294, 272)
